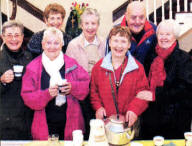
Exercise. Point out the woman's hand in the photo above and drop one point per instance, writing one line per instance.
(66, 88)
(100, 113)
(145, 95)
(7, 76)
(53, 90)
(131, 118)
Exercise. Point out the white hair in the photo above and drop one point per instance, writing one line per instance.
(172, 24)
(54, 31)
(90, 11)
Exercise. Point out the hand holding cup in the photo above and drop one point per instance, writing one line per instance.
(65, 87)
(7, 76)
(53, 90)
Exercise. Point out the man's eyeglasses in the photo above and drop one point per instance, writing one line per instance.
(11, 36)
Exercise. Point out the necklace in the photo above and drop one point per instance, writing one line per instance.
(117, 82)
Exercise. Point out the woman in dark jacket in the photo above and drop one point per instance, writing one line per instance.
(170, 80)
(14, 115)
(54, 15)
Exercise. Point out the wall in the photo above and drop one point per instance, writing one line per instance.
(24, 17)
(185, 41)
(104, 7)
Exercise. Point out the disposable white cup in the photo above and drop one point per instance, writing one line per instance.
(77, 132)
(53, 140)
(17, 69)
(158, 140)
(188, 138)
(61, 83)
(77, 138)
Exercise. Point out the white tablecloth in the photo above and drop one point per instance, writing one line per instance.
(22, 143)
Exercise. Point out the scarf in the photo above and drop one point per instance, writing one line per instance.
(52, 68)
(157, 74)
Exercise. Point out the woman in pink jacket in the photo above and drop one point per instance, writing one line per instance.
(54, 100)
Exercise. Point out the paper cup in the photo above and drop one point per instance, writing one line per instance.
(188, 138)
(158, 140)
(77, 133)
(77, 137)
(61, 83)
(18, 70)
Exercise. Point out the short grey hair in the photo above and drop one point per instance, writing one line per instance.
(54, 31)
(12, 23)
(173, 25)
(90, 11)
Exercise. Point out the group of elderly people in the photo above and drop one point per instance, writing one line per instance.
(139, 73)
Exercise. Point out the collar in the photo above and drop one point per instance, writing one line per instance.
(124, 22)
(164, 53)
(131, 64)
(148, 30)
(86, 43)
(12, 54)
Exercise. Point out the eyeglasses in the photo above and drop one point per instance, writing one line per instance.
(11, 36)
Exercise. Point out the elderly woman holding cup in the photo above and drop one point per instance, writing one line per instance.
(170, 80)
(15, 117)
(55, 100)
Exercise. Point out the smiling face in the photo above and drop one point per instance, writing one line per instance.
(119, 45)
(52, 46)
(165, 36)
(54, 20)
(136, 17)
(13, 38)
(90, 26)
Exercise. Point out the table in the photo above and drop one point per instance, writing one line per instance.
(150, 142)
(69, 143)
(30, 143)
